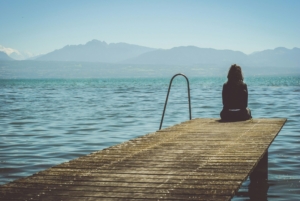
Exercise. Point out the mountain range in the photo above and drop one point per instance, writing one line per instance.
(97, 51)
(16, 54)
(123, 53)
(190, 55)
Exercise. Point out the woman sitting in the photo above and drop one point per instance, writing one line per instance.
(235, 97)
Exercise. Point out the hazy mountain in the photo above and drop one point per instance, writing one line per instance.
(16, 54)
(279, 57)
(96, 51)
(190, 55)
(19, 55)
(4, 56)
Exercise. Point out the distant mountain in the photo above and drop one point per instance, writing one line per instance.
(279, 57)
(21, 55)
(96, 51)
(122, 53)
(4, 56)
(16, 54)
(189, 55)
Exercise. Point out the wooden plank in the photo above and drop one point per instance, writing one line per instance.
(201, 159)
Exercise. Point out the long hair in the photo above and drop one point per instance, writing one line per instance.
(235, 74)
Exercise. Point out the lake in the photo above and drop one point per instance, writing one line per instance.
(44, 122)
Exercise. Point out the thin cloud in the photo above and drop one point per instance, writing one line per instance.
(16, 54)
(8, 50)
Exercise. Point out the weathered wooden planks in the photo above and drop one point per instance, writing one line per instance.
(201, 159)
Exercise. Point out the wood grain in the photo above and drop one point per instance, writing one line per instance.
(200, 159)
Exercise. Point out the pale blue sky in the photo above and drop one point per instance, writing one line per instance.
(42, 26)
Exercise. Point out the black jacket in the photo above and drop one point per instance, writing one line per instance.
(235, 96)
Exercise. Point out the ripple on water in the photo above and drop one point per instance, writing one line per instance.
(47, 122)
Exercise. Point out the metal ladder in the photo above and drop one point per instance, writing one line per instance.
(189, 97)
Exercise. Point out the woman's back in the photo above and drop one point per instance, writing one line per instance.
(235, 96)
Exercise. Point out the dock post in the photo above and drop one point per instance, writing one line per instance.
(261, 170)
(258, 187)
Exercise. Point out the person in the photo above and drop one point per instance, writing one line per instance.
(235, 97)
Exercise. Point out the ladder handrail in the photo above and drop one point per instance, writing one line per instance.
(189, 97)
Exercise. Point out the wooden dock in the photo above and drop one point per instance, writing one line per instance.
(200, 159)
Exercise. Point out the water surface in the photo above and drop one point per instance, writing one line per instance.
(49, 121)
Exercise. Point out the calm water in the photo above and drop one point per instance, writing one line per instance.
(47, 122)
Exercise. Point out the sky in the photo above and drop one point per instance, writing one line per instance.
(40, 27)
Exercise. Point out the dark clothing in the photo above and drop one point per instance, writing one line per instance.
(235, 115)
(235, 102)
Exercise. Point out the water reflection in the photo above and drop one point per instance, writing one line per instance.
(258, 186)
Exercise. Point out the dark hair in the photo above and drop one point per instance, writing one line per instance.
(235, 74)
